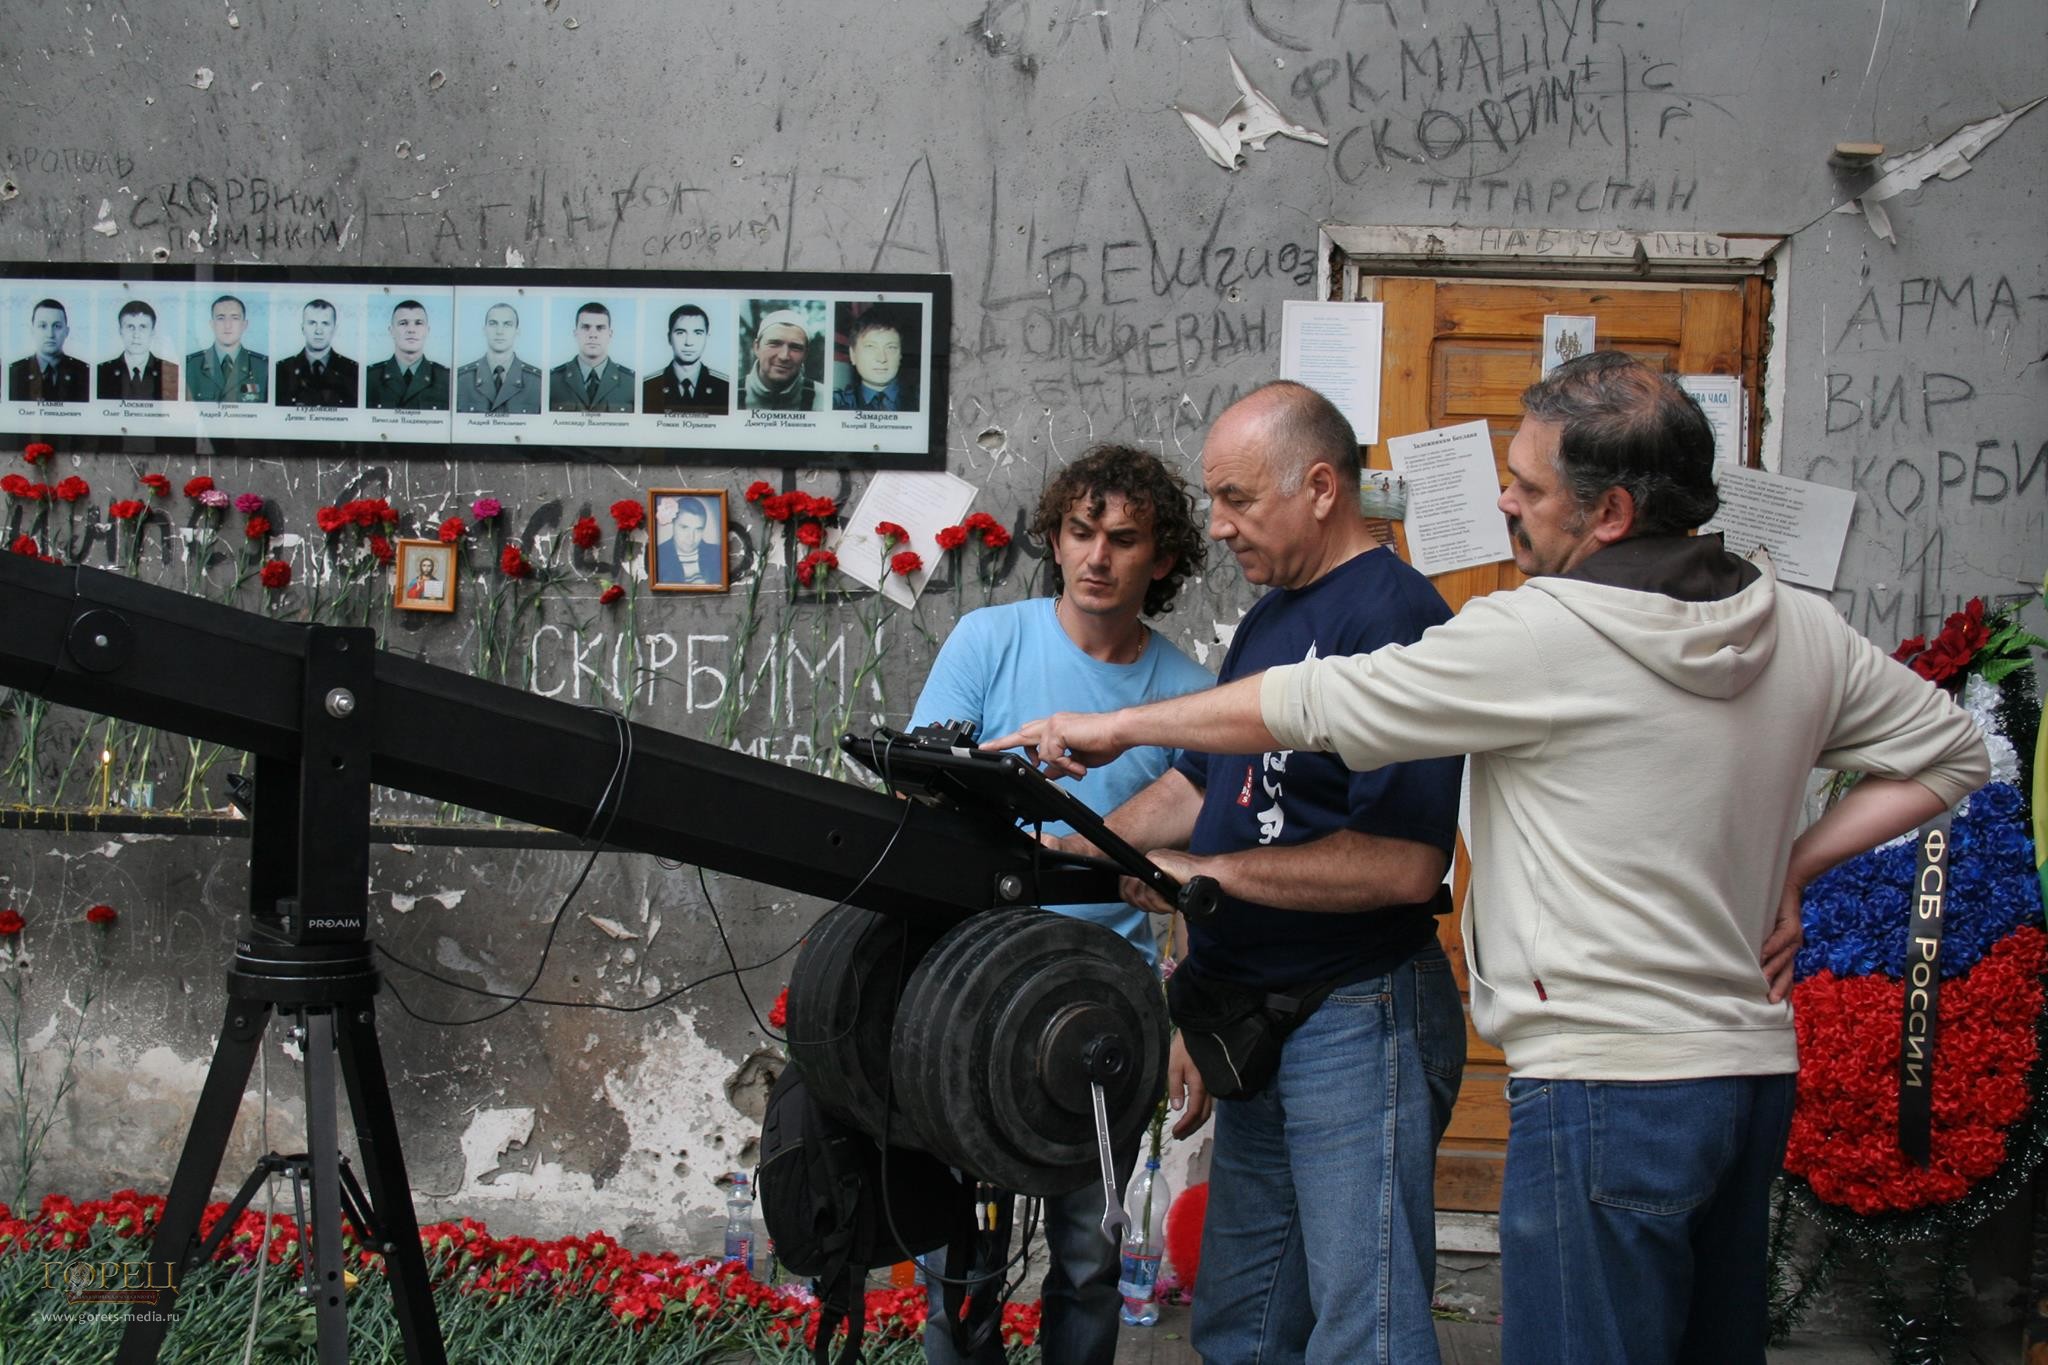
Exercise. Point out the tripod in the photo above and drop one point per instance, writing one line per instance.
(305, 953)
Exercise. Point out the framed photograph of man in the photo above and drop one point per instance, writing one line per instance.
(687, 552)
(681, 375)
(878, 356)
(427, 575)
(782, 355)
(587, 336)
(145, 331)
(46, 324)
(230, 337)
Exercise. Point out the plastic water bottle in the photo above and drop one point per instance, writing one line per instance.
(739, 1222)
(1138, 1281)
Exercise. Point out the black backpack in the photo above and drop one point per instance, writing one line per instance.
(821, 1186)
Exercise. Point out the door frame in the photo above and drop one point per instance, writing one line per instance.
(1348, 254)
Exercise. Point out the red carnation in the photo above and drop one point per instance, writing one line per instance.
(381, 550)
(759, 489)
(331, 520)
(38, 451)
(38, 492)
(890, 533)
(810, 533)
(814, 563)
(11, 923)
(995, 537)
(25, 545)
(951, 537)
(127, 509)
(584, 534)
(781, 507)
(512, 563)
(197, 484)
(157, 484)
(628, 514)
(905, 563)
(277, 575)
(14, 485)
(72, 488)
(366, 512)
(452, 530)
(824, 508)
(256, 528)
(610, 595)
(778, 1013)
(979, 521)
(102, 914)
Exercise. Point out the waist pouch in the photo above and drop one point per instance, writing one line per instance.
(1234, 1033)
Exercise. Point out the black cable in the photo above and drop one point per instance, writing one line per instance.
(526, 996)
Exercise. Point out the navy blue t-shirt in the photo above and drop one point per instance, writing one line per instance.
(1291, 797)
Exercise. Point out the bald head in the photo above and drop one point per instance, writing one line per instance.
(1281, 470)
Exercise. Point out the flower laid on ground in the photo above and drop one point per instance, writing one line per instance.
(36, 452)
(585, 533)
(276, 575)
(11, 923)
(512, 562)
(611, 595)
(18, 486)
(810, 533)
(950, 538)
(451, 531)
(102, 914)
(257, 528)
(483, 509)
(71, 488)
(759, 489)
(157, 484)
(213, 500)
(892, 535)
(249, 504)
(628, 514)
(197, 484)
(127, 509)
(904, 563)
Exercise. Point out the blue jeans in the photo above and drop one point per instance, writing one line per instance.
(1634, 1216)
(1078, 1298)
(1320, 1241)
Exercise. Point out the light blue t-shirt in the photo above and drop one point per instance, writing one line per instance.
(1003, 666)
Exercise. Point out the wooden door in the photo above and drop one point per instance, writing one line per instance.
(1463, 350)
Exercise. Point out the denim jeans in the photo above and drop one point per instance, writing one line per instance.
(1078, 1299)
(1634, 1216)
(1320, 1240)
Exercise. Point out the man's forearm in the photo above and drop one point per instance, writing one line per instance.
(1222, 720)
(1340, 873)
(1876, 809)
(1161, 815)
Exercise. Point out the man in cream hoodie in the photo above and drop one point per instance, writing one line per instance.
(1642, 717)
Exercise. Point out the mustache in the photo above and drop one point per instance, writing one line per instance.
(1518, 535)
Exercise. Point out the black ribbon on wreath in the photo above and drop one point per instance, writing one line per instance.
(1923, 992)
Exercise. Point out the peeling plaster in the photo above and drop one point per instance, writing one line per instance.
(1247, 123)
(1943, 160)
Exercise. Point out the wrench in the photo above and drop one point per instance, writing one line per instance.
(1115, 1221)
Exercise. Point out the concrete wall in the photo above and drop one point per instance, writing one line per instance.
(1111, 282)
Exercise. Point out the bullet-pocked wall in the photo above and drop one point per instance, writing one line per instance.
(1111, 282)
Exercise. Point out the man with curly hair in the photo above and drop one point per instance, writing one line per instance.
(1123, 537)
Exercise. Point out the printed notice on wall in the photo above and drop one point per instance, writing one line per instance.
(1334, 348)
(919, 505)
(1803, 525)
(1720, 396)
(1454, 521)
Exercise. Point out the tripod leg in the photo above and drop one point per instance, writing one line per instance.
(323, 1151)
(205, 1143)
(405, 1264)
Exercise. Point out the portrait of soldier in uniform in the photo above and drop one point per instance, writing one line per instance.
(498, 380)
(318, 376)
(407, 379)
(138, 374)
(687, 384)
(591, 381)
(228, 371)
(48, 375)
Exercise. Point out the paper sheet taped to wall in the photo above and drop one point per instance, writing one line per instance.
(1334, 348)
(1454, 519)
(1803, 525)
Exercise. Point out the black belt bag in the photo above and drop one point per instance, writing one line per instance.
(1233, 1033)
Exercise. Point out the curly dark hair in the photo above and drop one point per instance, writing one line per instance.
(1154, 493)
